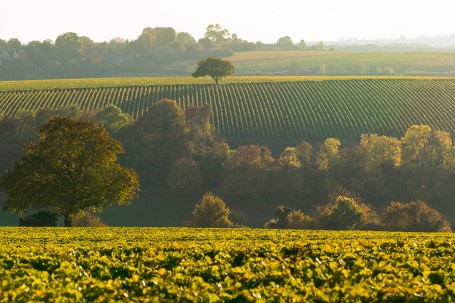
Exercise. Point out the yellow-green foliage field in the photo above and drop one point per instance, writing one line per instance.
(224, 265)
(262, 108)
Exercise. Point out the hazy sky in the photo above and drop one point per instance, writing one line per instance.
(253, 20)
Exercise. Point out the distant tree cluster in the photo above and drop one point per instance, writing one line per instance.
(177, 151)
(286, 43)
(348, 213)
(151, 53)
(74, 56)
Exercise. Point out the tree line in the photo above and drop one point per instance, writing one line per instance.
(151, 53)
(177, 151)
(344, 211)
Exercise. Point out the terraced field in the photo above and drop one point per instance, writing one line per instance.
(286, 109)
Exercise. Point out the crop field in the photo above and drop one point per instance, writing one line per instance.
(27, 85)
(230, 265)
(309, 109)
(343, 63)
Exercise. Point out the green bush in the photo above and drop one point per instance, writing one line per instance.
(86, 219)
(298, 220)
(286, 217)
(345, 213)
(280, 220)
(414, 216)
(210, 212)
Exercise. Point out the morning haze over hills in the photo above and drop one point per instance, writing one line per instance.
(162, 51)
(261, 158)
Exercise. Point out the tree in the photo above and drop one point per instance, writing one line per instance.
(287, 177)
(285, 43)
(302, 44)
(377, 151)
(71, 169)
(329, 154)
(210, 212)
(154, 141)
(215, 68)
(113, 118)
(375, 168)
(142, 48)
(427, 157)
(247, 170)
(184, 176)
(345, 213)
(216, 34)
(165, 36)
(280, 220)
(68, 47)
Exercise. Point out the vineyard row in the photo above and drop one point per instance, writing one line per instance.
(304, 110)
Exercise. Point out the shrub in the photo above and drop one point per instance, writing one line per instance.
(345, 213)
(86, 219)
(210, 212)
(298, 220)
(286, 217)
(280, 221)
(415, 216)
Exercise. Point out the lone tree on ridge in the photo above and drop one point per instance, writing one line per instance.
(71, 169)
(215, 68)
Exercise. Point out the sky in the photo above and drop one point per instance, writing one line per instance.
(252, 20)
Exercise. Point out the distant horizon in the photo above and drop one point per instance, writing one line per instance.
(340, 40)
(265, 20)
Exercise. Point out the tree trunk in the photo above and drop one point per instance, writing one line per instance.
(68, 221)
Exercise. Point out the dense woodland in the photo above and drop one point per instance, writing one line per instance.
(176, 152)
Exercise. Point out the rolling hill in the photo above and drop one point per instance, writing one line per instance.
(263, 109)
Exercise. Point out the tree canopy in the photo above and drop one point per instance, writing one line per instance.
(215, 68)
(71, 169)
(210, 211)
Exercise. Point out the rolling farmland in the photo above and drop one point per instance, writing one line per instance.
(264, 109)
(343, 63)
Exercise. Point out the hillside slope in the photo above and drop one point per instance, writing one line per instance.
(289, 111)
(344, 63)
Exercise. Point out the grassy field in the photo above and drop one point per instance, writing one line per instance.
(333, 63)
(343, 63)
(231, 265)
(263, 109)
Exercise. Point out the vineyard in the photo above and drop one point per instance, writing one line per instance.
(231, 265)
(312, 109)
